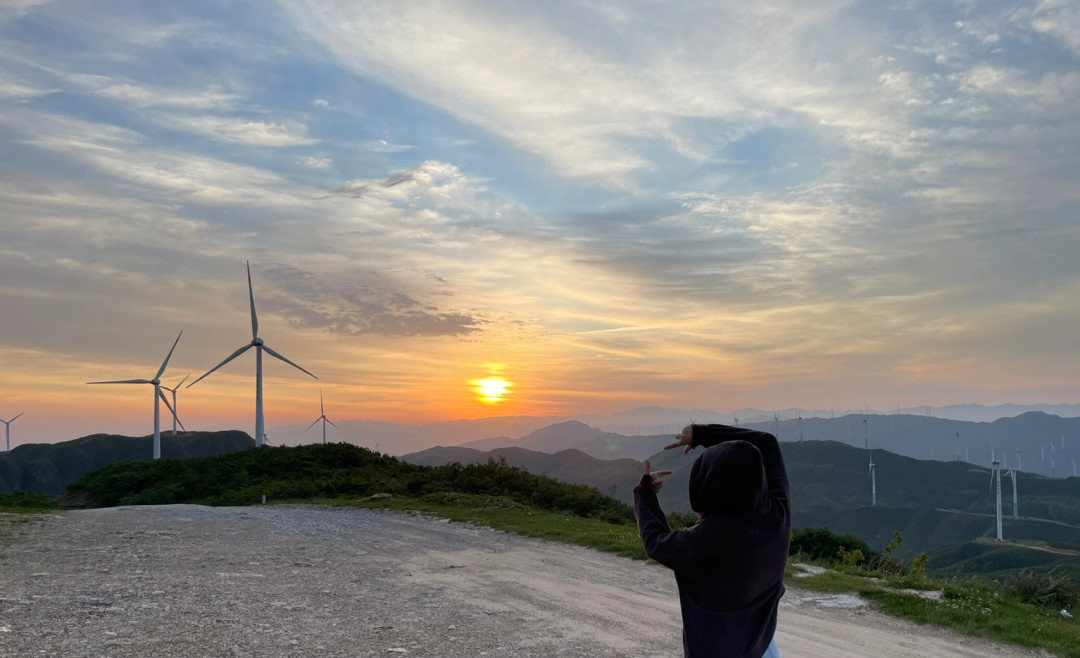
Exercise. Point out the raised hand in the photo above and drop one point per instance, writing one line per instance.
(655, 476)
(684, 439)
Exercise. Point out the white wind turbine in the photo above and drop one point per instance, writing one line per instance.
(1012, 474)
(7, 431)
(260, 347)
(995, 470)
(873, 468)
(158, 395)
(323, 418)
(1052, 472)
(173, 391)
(1019, 464)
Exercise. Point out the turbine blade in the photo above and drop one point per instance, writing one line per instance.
(322, 409)
(331, 422)
(125, 381)
(278, 356)
(251, 298)
(227, 359)
(171, 410)
(312, 425)
(182, 381)
(13, 419)
(168, 356)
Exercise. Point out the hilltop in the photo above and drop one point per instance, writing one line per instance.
(50, 467)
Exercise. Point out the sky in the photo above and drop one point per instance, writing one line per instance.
(584, 207)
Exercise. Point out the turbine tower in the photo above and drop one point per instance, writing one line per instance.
(323, 418)
(260, 347)
(7, 432)
(158, 395)
(173, 391)
(873, 481)
(995, 470)
(1052, 471)
(958, 446)
(1019, 464)
(1012, 473)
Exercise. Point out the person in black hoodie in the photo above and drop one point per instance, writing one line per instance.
(730, 564)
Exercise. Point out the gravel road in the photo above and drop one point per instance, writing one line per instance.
(186, 580)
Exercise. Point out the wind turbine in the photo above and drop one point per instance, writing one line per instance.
(260, 347)
(995, 470)
(776, 425)
(1019, 464)
(958, 446)
(173, 391)
(800, 425)
(1012, 473)
(1052, 473)
(873, 468)
(7, 431)
(158, 395)
(1074, 468)
(323, 418)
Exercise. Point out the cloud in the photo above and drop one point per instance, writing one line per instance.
(235, 130)
(359, 303)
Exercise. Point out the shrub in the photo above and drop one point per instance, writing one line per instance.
(1054, 590)
(823, 544)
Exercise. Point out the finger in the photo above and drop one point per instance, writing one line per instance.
(661, 473)
(648, 468)
(687, 449)
(673, 445)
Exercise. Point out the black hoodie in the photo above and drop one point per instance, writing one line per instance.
(730, 565)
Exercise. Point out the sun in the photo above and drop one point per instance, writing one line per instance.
(492, 390)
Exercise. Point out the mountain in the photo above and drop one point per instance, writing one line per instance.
(575, 435)
(571, 466)
(49, 467)
(398, 438)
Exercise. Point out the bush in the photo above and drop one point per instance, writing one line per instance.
(823, 544)
(1055, 590)
(27, 500)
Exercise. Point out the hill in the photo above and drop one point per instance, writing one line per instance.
(574, 435)
(49, 467)
(327, 471)
(573, 466)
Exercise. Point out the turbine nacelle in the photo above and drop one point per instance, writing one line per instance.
(256, 342)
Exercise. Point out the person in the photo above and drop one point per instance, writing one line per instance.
(729, 565)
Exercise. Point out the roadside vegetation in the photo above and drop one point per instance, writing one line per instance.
(1024, 609)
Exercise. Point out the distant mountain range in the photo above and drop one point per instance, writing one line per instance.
(49, 467)
(935, 505)
(399, 438)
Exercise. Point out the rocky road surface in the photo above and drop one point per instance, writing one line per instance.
(185, 580)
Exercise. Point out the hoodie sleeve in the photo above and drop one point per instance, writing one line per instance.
(707, 436)
(671, 549)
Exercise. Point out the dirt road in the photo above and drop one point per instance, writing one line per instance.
(310, 581)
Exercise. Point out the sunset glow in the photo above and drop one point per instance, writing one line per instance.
(491, 391)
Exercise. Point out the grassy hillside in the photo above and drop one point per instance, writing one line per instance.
(327, 471)
(940, 507)
(49, 467)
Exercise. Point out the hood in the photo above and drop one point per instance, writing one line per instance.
(728, 478)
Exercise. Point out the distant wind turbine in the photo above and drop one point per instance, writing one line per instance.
(7, 431)
(873, 468)
(158, 395)
(958, 446)
(1019, 464)
(260, 347)
(1012, 473)
(995, 467)
(323, 418)
(174, 407)
(1052, 471)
